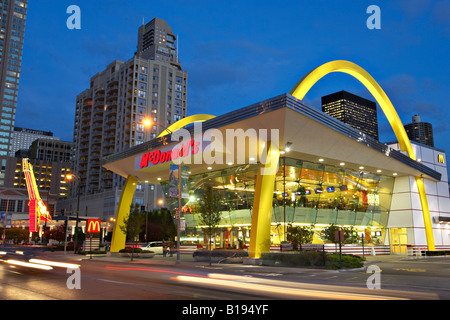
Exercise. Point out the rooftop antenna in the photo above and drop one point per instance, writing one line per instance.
(143, 20)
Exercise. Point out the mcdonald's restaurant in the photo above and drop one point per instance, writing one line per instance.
(279, 164)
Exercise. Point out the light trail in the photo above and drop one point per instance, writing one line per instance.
(28, 264)
(55, 263)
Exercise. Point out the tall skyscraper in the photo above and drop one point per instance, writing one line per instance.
(353, 110)
(13, 16)
(110, 115)
(421, 132)
(157, 42)
(24, 137)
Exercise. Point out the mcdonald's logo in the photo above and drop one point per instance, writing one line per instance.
(93, 226)
(440, 158)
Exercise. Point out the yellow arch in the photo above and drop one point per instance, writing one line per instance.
(184, 122)
(123, 210)
(302, 87)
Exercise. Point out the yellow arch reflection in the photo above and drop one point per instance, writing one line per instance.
(302, 87)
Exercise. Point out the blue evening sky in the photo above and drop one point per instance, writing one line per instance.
(241, 52)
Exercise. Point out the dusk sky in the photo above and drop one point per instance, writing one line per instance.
(241, 52)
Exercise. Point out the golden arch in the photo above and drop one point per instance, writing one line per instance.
(184, 122)
(302, 87)
(123, 210)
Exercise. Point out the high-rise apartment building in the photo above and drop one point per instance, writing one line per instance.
(421, 132)
(51, 150)
(353, 110)
(157, 42)
(24, 137)
(13, 16)
(110, 114)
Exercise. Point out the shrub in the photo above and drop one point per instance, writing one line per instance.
(129, 250)
(297, 259)
(348, 261)
(437, 253)
(92, 252)
(203, 255)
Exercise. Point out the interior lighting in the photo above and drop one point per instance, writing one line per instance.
(288, 146)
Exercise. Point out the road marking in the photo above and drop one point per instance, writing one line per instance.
(112, 281)
(410, 270)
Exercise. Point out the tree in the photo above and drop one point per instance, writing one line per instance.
(350, 235)
(132, 226)
(209, 207)
(300, 235)
(57, 233)
(160, 225)
(16, 234)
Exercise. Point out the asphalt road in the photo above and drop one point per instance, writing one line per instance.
(160, 279)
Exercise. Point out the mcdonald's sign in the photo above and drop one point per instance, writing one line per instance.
(93, 225)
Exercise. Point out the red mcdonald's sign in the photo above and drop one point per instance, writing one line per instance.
(94, 225)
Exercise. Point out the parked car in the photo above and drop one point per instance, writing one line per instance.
(155, 246)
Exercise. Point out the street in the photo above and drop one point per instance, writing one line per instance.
(160, 278)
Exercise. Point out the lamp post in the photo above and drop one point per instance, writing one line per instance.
(147, 123)
(72, 177)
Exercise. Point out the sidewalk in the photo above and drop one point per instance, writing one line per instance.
(186, 260)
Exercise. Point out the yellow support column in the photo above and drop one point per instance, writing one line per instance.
(123, 210)
(426, 214)
(262, 204)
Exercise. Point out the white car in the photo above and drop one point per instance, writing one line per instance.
(155, 246)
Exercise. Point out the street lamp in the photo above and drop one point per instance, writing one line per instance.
(72, 177)
(147, 122)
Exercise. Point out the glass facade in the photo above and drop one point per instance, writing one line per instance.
(305, 193)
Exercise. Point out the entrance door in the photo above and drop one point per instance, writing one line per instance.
(399, 240)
